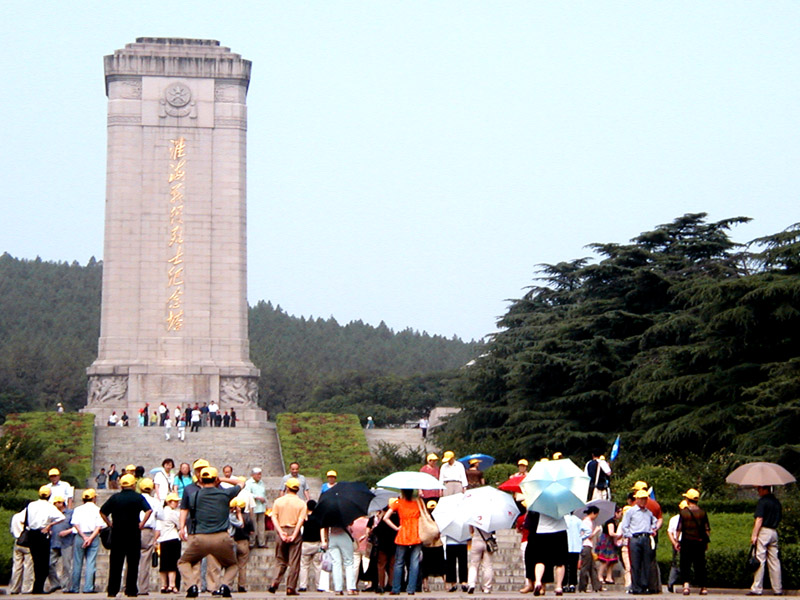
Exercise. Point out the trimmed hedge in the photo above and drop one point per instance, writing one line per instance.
(6, 544)
(323, 441)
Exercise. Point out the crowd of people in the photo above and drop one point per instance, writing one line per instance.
(200, 524)
(192, 416)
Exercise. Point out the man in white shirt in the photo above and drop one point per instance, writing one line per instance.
(256, 487)
(452, 475)
(598, 471)
(213, 409)
(22, 569)
(87, 522)
(146, 486)
(58, 487)
(41, 515)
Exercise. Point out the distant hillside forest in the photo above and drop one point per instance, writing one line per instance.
(50, 322)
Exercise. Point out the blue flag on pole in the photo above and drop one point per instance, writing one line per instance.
(614, 450)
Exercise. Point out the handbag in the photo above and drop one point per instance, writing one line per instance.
(327, 562)
(752, 563)
(24, 538)
(105, 537)
(491, 542)
(428, 529)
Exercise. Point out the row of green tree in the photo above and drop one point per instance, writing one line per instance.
(50, 323)
(682, 341)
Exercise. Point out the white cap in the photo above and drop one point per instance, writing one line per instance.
(256, 470)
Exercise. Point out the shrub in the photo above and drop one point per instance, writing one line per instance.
(35, 442)
(6, 544)
(322, 441)
(497, 474)
(16, 500)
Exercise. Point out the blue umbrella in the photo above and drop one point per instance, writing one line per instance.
(555, 488)
(486, 460)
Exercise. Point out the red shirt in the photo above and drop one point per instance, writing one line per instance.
(428, 494)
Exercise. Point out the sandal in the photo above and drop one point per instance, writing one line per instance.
(538, 590)
(165, 590)
(559, 592)
(703, 591)
(526, 590)
(686, 591)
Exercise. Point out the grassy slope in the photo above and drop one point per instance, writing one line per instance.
(321, 441)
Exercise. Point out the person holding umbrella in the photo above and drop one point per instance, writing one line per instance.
(408, 543)
(765, 539)
(474, 474)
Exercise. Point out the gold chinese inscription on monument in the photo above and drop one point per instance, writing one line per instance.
(177, 183)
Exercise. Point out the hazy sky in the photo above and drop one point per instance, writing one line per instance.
(412, 161)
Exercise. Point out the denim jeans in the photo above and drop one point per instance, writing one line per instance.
(414, 556)
(78, 553)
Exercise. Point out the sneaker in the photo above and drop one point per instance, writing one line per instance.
(192, 592)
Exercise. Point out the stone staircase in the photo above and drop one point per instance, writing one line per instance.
(241, 447)
(403, 437)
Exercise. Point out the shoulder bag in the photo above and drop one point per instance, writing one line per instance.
(428, 529)
(24, 539)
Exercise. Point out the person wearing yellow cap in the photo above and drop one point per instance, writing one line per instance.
(331, 476)
(88, 523)
(59, 487)
(694, 532)
(169, 541)
(474, 475)
(147, 489)
(61, 540)
(242, 528)
(452, 475)
(638, 527)
(522, 466)
(206, 534)
(122, 513)
(288, 514)
(41, 515)
(431, 467)
(599, 472)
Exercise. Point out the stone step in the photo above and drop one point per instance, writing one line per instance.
(509, 569)
(403, 437)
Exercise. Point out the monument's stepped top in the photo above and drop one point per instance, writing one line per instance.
(241, 447)
(182, 57)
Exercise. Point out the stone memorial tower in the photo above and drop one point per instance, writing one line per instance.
(174, 308)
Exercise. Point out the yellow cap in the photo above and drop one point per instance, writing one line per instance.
(44, 491)
(58, 499)
(522, 461)
(89, 494)
(448, 455)
(330, 473)
(625, 508)
(172, 496)
(294, 484)
(557, 456)
(639, 485)
(431, 504)
(208, 473)
(692, 494)
(237, 503)
(200, 463)
(602, 457)
(683, 504)
(146, 484)
(431, 457)
(641, 494)
(127, 480)
(474, 461)
(130, 468)
(52, 472)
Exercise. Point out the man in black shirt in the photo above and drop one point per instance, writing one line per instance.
(124, 509)
(204, 526)
(765, 537)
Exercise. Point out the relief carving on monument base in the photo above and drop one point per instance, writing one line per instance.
(108, 389)
(239, 391)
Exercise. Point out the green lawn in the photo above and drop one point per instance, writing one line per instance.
(322, 441)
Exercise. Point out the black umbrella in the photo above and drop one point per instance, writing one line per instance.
(343, 503)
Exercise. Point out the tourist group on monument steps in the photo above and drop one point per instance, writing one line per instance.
(416, 531)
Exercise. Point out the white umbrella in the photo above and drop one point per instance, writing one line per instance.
(555, 487)
(489, 509)
(450, 518)
(410, 480)
(760, 473)
(607, 510)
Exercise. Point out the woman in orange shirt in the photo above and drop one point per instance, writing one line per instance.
(407, 541)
